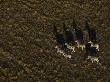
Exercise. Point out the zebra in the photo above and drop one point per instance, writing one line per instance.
(90, 53)
(59, 38)
(60, 42)
(79, 36)
(69, 38)
(92, 36)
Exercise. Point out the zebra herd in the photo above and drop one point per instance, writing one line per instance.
(72, 39)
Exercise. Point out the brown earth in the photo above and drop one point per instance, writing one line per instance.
(27, 51)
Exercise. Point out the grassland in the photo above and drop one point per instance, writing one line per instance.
(27, 51)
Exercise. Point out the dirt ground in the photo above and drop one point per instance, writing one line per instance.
(27, 52)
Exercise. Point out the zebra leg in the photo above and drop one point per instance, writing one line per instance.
(82, 47)
(78, 45)
(73, 49)
(97, 47)
(77, 42)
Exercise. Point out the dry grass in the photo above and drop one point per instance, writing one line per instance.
(27, 51)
